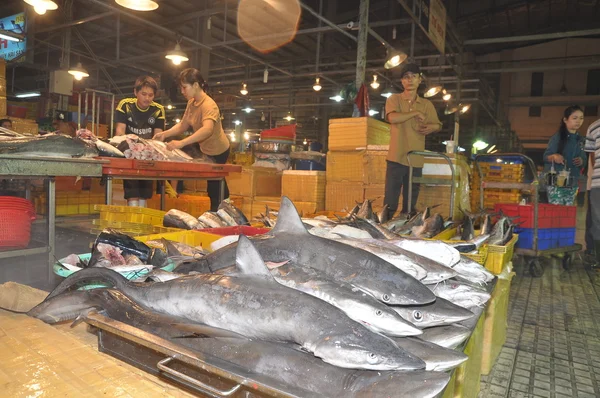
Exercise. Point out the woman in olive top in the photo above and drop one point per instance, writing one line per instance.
(203, 115)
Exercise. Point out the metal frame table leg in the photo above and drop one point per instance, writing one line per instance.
(108, 190)
(162, 194)
(51, 224)
(221, 190)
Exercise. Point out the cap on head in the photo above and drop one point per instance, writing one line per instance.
(406, 68)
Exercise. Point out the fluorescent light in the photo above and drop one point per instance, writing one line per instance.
(336, 98)
(373, 112)
(28, 95)
(237, 122)
(490, 149)
(248, 109)
(7, 36)
(387, 94)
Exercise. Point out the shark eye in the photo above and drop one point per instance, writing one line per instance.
(372, 358)
(417, 315)
(379, 313)
(385, 298)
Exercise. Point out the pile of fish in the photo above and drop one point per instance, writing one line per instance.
(104, 148)
(49, 145)
(395, 309)
(227, 215)
(134, 147)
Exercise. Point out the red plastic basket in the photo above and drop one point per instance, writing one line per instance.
(15, 228)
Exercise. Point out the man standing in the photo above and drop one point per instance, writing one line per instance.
(411, 118)
(592, 145)
(145, 118)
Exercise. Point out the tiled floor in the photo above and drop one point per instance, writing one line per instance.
(553, 343)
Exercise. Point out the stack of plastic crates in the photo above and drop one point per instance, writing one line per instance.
(509, 170)
(134, 221)
(192, 204)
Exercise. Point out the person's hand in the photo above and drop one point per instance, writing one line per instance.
(175, 144)
(159, 136)
(578, 162)
(557, 158)
(420, 116)
(427, 129)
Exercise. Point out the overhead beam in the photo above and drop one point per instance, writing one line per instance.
(540, 37)
(75, 23)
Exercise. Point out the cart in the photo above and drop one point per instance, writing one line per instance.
(531, 257)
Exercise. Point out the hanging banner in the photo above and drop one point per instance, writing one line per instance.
(433, 21)
(12, 50)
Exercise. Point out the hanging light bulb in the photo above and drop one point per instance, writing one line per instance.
(289, 117)
(394, 58)
(78, 72)
(450, 109)
(464, 108)
(170, 106)
(246, 135)
(248, 109)
(244, 89)
(176, 55)
(262, 117)
(138, 5)
(432, 91)
(232, 136)
(41, 6)
(375, 83)
(237, 122)
(305, 141)
(317, 86)
(266, 76)
(447, 95)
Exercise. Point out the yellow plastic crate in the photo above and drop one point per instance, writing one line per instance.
(139, 215)
(447, 236)
(499, 256)
(468, 374)
(84, 208)
(192, 238)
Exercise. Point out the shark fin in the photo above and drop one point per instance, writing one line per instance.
(288, 220)
(248, 260)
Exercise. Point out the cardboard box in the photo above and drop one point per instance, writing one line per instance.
(366, 167)
(255, 181)
(304, 186)
(343, 196)
(356, 133)
(2, 87)
(3, 105)
(260, 203)
(376, 193)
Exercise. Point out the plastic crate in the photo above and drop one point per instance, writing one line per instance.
(130, 214)
(499, 256)
(547, 238)
(191, 238)
(566, 237)
(549, 216)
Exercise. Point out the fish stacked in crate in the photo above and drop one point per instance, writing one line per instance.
(504, 169)
(389, 311)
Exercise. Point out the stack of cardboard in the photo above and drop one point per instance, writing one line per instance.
(24, 126)
(306, 189)
(255, 184)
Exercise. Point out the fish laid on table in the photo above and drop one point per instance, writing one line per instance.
(441, 312)
(433, 249)
(450, 336)
(437, 358)
(271, 362)
(290, 240)
(226, 217)
(461, 293)
(53, 146)
(259, 307)
(180, 219)
(104, 148)
(471, 271)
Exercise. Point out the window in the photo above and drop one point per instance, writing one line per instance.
(593, 83)
(537, 90)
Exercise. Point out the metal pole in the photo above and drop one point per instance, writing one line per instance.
(331, 24)
(98, 115)
(86, 106)
(51, 223)
(79, 111)
(112, 117)
(93, 110)
(545, 36)
(361, 51)
(412, 32)
(118, 49)
(319, 39)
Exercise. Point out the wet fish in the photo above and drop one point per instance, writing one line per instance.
(226, 218)
(435, 250)
(450, 336)
(366, 210)
(282, 363)
(258, 307)
(212, 220)
(486, 225)
(289, 240)
(126, 245)
(350, 232)
(467, 228)
(437, 358)
(430, 228)
(471, 271)
(461, 293)
(224, 241)
(441, 312)
(56, 146)
(179, 219)
(234, 212)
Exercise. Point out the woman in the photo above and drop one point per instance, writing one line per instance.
(203, 115)
(565, 148)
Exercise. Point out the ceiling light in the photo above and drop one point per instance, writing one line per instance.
(394, 58)
(375, 83)
(177, 120)
(450, 109)
(170, 106)
(373, 112)
(41, 6)
(138, 5)
(317, 86)
(432, 91)
(266, 75)
(479, 145)
(244, 89)
(237, 122)
(494, 151)
(176, 55)
(464, 108)
(305, 142)
(79, 72)
(336, 98)
(248, 109)
(289, 117)
(447, 95)
(232, 136)
(28, 95)
(490, 149)
(387, 94)
(246, 136)
(262, 117)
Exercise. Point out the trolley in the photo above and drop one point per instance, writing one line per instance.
(531, 257)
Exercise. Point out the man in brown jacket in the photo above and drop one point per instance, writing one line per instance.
(411, 118)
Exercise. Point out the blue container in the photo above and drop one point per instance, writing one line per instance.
(566, 237)
(547, 238)
(301, 164)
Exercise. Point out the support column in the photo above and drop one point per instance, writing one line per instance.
(203, 63)
(361, 51)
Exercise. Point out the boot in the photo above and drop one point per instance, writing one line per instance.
(597, 252)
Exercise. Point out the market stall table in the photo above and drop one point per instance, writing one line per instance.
(37, 167)
(133, 169)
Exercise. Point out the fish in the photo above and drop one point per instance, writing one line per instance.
(461, 293)
(158, 275)
(318, 223)
(366, 210)
(258, 307)
(441, 312)
(471, 271)
(224, 241)
(384, 214)
(486, 225)
(350, 232)
(450, 336)
(375, 230)
(111, 246)
(501, 232)
(430, 227)
(234, 212)
(437, 358)
(290, 240)
(105, 149)
(180, 219)
(467, 228)
(55, 146)
(226, 218)
(212, 220)
(301, 373)
(435, 250)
